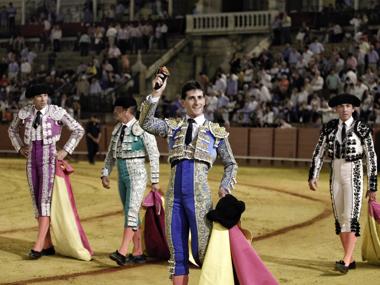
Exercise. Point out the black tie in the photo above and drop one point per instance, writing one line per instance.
(189, 132)
(37, 120)
(343, 131)
(122, 133)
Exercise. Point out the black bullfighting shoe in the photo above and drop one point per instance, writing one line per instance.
(34, 254)
(139, 259)
(351, 266)
(341, 267)
(118, 258)
(48, 251)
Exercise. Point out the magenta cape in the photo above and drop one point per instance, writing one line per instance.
(68, 234)
(371, 234)
(154, 227)
(228, 249)
(249, 268)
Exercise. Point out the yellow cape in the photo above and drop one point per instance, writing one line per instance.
(217, 266)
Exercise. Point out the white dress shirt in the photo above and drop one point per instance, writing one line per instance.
(199, 121)
(348, 123)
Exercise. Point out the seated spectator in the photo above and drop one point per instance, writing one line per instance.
(95, 88)
(317, 82)
(26, 69)
(333, 82)
(316, 47)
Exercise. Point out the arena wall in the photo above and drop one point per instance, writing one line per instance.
(262, 146)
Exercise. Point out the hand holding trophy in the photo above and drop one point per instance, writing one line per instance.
(159, 82)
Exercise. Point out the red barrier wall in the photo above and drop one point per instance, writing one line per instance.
(306, 141)
(261, 142)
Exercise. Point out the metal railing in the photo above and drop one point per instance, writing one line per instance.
(244, 22)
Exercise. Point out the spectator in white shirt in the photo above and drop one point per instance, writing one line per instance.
(359, 89)
(56, 37)
(220, 83)
(95, 88)
(26, 69)
(164, 35)
(123, 37)
(211, 105)
(307, 55)
(317, 82)
(316, 47)
(265, 95)
(113, 55)
(111, 35)
(355, 22)
(136, 38)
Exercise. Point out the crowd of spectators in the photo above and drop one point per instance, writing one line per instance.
(291, 84)
(95, 81)
(90, 88)
(83, 12)
(288, 84)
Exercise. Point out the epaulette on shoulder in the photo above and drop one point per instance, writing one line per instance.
(136, 129)
(116, 128)
(174, 123)
(362, 129)
(25, 112)
(56, 112)
(330, 126)
(218, 131)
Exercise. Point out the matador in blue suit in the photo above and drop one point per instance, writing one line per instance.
(193, 143)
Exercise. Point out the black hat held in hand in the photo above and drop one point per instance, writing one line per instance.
(227, 212)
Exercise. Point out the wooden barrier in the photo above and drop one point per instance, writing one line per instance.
(262, 146)
(238, 139)
(307, 138)
(285, 144)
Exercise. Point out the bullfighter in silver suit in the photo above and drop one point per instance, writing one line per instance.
(43, 124)
(194, 144)
(128, 147)
(347, 141)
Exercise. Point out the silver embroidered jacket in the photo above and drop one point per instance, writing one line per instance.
(51, 124)
(210, 141)
(357, 145)
(136, 144)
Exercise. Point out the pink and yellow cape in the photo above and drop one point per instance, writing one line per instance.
(228, 250)
(371, 235)
(69, 238)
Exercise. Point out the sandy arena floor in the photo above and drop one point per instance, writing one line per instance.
(292, 226)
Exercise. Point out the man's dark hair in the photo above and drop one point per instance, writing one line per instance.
(190, 85)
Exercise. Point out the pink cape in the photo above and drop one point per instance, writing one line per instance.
(249, 268)
(70, 238)
(154, 230)
(374, 210)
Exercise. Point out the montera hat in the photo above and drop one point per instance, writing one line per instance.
(37, 89)
(344, 99)
(125, 102)
(227, 212)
